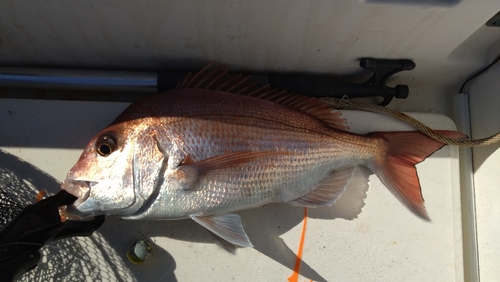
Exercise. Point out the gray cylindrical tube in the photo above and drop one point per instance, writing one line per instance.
(84, 80)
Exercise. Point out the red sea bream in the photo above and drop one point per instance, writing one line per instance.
(218, 144)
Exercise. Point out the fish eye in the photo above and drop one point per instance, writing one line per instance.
(105, 144)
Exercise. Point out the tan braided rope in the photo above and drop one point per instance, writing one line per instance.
(345, 102)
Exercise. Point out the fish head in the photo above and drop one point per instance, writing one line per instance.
(115, 165)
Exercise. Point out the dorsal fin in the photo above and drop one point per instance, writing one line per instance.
(219, 79)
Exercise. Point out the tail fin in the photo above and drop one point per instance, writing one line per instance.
(397, 170)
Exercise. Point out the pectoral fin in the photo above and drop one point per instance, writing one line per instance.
(225, 229)
(217, 167)
(230, 247)
(328, 191)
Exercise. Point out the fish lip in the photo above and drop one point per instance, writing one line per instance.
(78, 188)
(69, 212)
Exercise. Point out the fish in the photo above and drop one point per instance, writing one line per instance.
(219, 143)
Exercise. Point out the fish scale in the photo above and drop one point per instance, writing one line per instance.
(315, 155)
(216, 137)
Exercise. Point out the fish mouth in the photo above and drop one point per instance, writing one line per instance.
(80, 189)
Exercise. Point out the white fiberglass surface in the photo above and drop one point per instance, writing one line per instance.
(366, 236)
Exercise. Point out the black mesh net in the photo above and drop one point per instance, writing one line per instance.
(72, 259)
(9, 208)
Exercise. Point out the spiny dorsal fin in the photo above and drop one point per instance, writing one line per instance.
(218, 79)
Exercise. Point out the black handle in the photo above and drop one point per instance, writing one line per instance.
(323, 86)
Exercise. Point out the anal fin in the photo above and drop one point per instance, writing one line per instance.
(328, 191)
(226, 228)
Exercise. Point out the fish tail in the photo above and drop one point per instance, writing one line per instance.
(396, 168)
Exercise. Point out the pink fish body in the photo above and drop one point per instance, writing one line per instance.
(218, 144)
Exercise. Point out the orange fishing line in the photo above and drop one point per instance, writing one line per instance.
(296, 269)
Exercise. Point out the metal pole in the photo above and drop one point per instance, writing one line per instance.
(83, 80)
